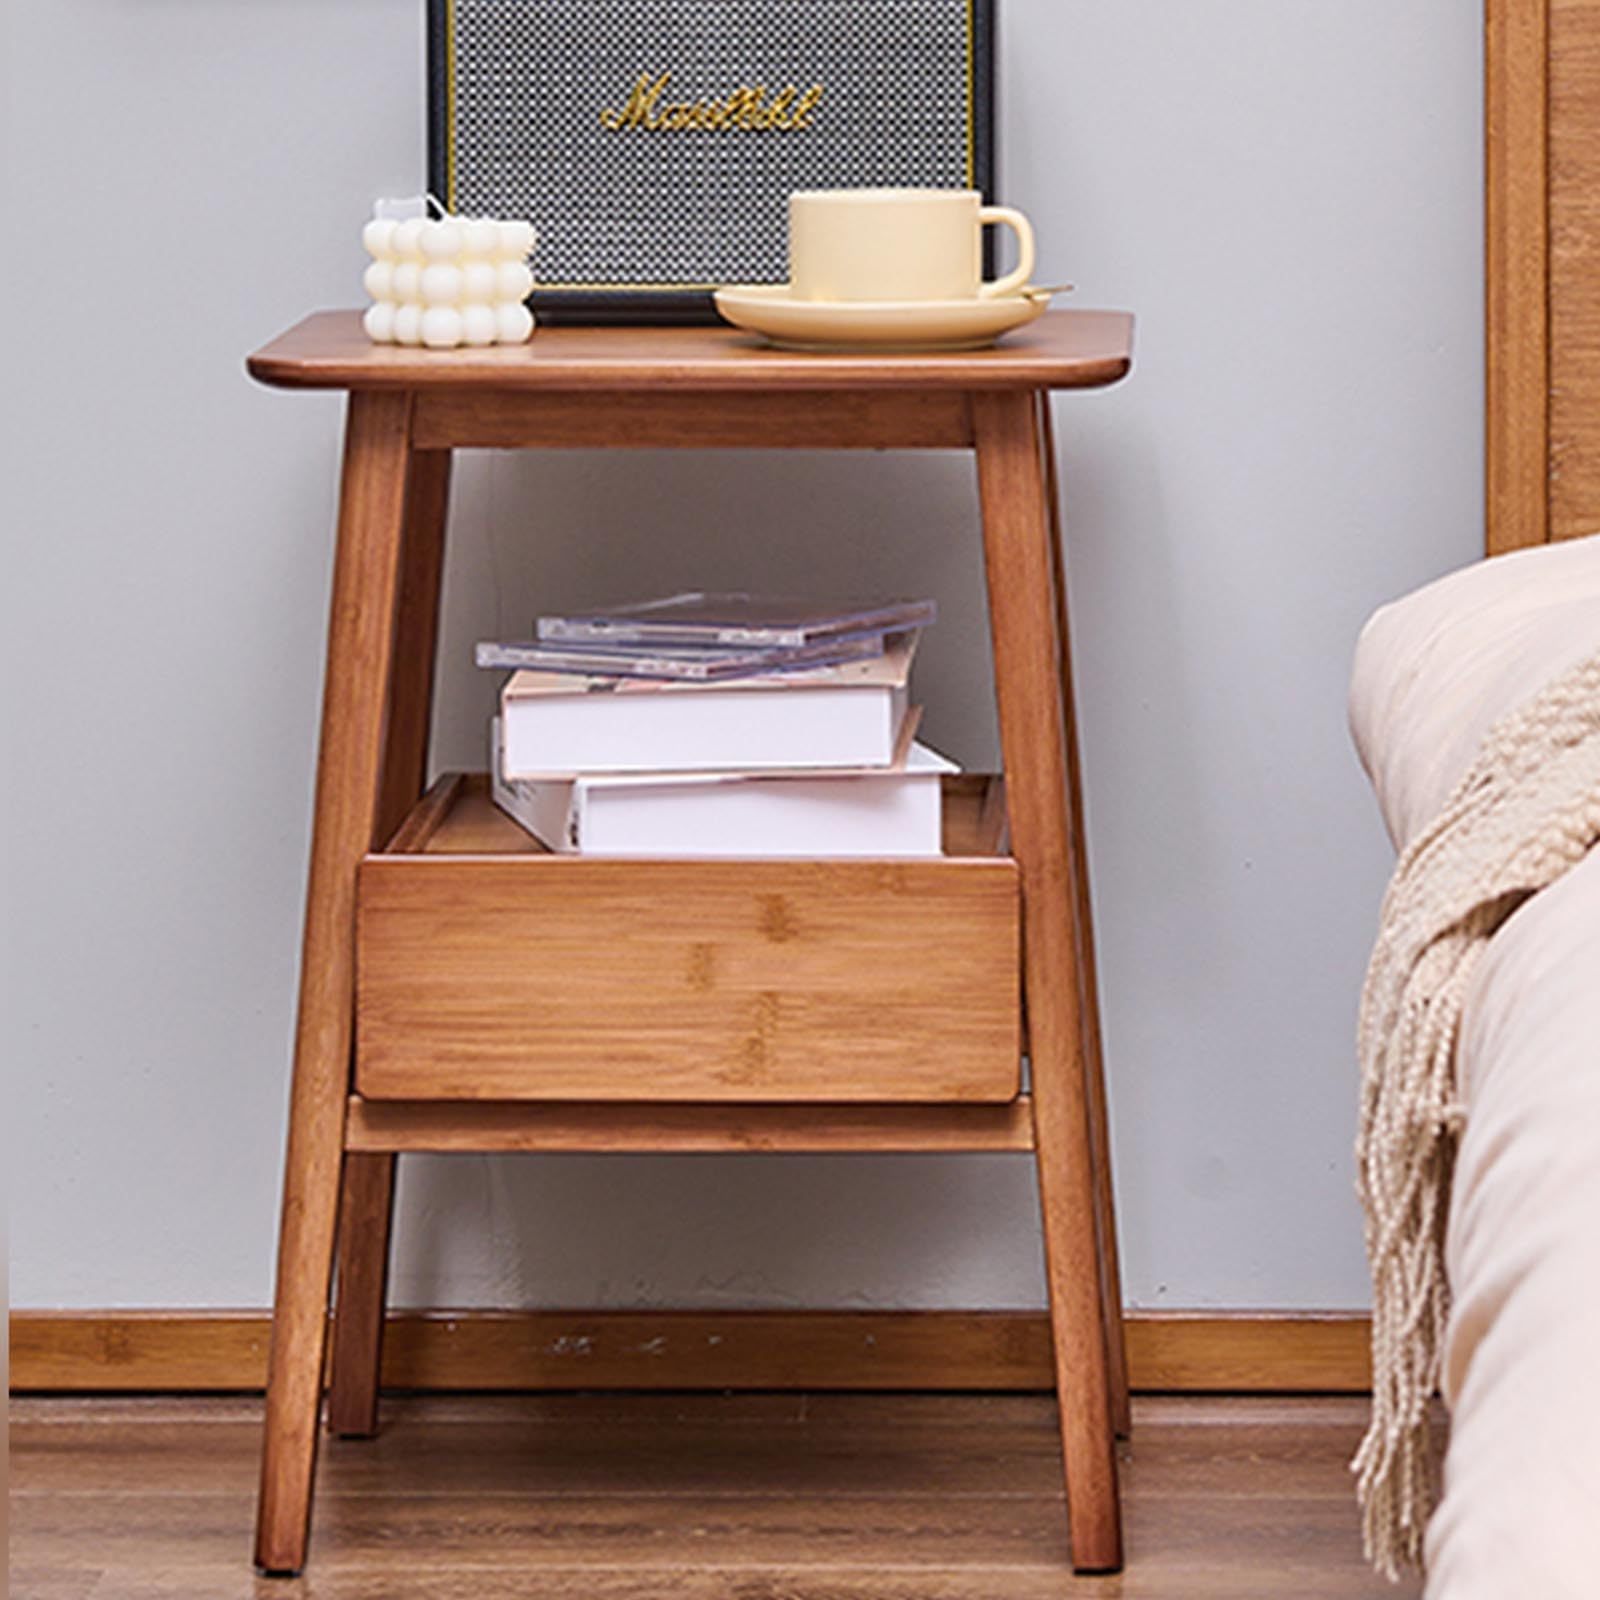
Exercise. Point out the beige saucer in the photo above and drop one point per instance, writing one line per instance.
(887, 326)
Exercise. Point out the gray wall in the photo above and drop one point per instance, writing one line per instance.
(1287, 191)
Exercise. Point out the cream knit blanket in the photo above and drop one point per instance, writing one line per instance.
(1528, 810)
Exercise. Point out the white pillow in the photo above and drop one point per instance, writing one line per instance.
(1435, 670)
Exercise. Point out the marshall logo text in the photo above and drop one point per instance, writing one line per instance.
(748, 107)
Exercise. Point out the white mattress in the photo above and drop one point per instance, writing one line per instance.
(1520, 1514)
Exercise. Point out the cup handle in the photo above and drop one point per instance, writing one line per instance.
(1023, 229)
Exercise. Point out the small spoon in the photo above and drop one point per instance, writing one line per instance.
(1043, 291)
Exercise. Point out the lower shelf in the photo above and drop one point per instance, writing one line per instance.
(488, 969)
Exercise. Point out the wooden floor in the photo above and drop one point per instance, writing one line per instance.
(688, 1497)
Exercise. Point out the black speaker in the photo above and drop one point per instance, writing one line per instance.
(654, 143)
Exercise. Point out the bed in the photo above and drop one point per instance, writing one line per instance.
(1519, 1512)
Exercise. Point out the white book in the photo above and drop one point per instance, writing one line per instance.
(874, 813)
(847, 715)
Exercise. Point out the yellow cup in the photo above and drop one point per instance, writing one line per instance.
(898, 245)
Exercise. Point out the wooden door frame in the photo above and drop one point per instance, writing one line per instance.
(1516, 274)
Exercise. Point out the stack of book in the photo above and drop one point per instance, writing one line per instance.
(718, 725)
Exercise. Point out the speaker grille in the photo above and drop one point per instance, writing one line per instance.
(524, 83)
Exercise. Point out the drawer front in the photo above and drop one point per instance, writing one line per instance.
(556, 978)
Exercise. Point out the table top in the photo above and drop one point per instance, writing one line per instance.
(329, 350)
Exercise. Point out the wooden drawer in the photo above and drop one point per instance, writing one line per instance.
(489, 969)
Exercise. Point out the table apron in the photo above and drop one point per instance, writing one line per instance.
(508, 419)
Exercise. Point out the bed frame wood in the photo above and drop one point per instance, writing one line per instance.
(1542, 116)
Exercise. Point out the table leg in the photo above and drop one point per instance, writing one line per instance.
(1016, 531)
(366, 1210)
(366, 1217)
(1089, 998)
(360, 645)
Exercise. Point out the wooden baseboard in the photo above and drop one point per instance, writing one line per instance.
(87, 1351)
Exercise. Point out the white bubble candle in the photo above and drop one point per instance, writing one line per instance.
(447, 281)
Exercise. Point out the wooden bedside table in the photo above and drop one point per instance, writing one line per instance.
(452, 991)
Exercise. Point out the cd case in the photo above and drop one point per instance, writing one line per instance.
(732, 620)
(686, 663)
